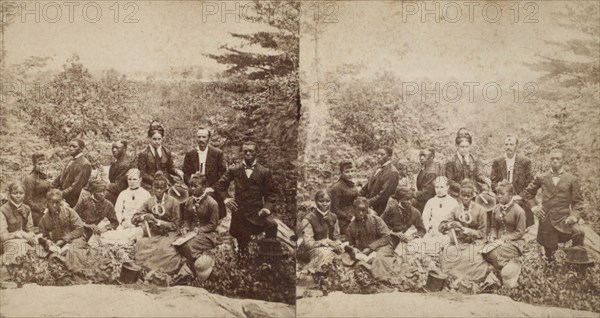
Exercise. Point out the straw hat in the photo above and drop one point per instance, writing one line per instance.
(204, 266)
(510, 274)
(486, 200)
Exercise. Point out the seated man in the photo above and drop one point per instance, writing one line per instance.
(368, 233)
(93, 209)
(61, 224)
(400, 215)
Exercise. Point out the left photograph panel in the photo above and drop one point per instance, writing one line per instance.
(148, 158)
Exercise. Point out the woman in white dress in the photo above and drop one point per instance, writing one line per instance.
(128, 203)
(435, 211)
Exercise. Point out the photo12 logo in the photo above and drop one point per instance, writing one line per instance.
(469, 11)
(454, 92)
(72, 11)
(235, 11)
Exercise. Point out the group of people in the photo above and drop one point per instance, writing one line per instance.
(465, 223)
(171, 215)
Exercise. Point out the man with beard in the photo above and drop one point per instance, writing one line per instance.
(252, 205)
(117, 173)
(383, 182)
(208, 161)
(515, 169)
(562, 204)
(343, 194)
(425, 179)
(400, 215)
(75, 175)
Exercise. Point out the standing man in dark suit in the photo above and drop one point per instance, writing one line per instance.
(117, 173)
(515, 169)
(562, 204)
(252, 205)
(208, 161)
(75, 175)
(383, 182)
(425, 179)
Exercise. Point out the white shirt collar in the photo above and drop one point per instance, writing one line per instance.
(78, 155)
(17, 206)
(202, 151)
(159, 149)
(321, 212)
(460, 158)
(386, 163)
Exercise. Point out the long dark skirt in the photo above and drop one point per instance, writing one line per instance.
(199, 245)
(157, 254)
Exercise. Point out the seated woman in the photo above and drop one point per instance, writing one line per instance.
(131, 199)
(508, 228)
(156, 157)
(94, 209)
(16, 225)
(400, 216)
(36, 185)
(435, 211)
(343, 194)
(201, 217)
(368, 233)
(464, 165)
(320, 234)
(467, 226)
(159, 218)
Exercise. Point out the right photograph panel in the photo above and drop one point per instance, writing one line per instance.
(449, 156)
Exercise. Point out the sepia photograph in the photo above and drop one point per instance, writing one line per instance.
(147, 161)
(275, 158)
(450, 159)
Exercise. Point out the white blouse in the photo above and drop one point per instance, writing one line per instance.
(435, 211)
(128, 203)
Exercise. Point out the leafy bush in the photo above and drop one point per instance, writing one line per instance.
(557, 284)
(254, 277)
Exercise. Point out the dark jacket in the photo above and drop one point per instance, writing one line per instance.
(372, 234)
(342, 195)
(323, 226)
(522, 173)
(425, 186)
(36, 186)
(251, 194)
(171, 218)
(92, 212)
(73, 179)
(13, 219)
(203, 216)
(456, 171)
(560, 201)
(215, 165)
(148, 165)
(380, 187)
(399, 222)
(215, 169)
(117, 175)
(65, 225)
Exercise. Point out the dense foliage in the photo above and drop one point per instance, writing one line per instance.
(255, 277)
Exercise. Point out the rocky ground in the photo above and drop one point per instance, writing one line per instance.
(425, 305)
(131, 301)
